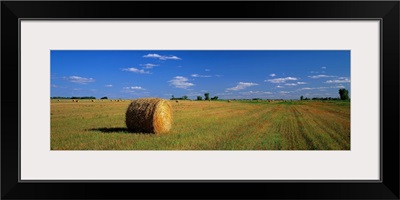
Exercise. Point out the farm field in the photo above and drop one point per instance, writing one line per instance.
(204, 125)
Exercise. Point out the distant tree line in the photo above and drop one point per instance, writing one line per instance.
(344, 95)
(322, 98)
(214, 98)
(199, 98)
(91, 97)
(180, 98)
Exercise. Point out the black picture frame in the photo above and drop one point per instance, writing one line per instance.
(386, 11)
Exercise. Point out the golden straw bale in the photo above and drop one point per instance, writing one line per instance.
(149, 115)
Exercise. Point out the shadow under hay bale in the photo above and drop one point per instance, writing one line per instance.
(123, 130)
(110, 130)
(149, 115)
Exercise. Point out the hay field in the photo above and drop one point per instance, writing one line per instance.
(204, 125)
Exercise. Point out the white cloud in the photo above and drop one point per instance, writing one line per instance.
(207, 70)
(134, 70)
(200, 76)
(194, 94)
(58, 86)
(340, 80)
(80, 80)
(315, 88)
(255, 93)
(279, 86)
(291, 84)
(338, 86)
(161, 57)
(301, 83)
(224, 93)
(281, 80)
(272, 75)
(284, 92)
(108, 85)
(323, 67)
(148, 65)
(134, 88)
(241, 86)
(321, 76)
(181, 82)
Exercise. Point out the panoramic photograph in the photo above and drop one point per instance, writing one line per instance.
(200, 100)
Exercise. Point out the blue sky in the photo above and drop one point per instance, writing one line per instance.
(226, 74)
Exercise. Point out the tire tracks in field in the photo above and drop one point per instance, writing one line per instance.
(300, 126)
(326, 125)
(213, 130)
(333, 110)
(239, 135)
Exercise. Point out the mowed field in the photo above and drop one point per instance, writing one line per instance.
(204, 125)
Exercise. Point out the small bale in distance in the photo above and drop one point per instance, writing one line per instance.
(177, 101)
(229, 101)
(149, 115)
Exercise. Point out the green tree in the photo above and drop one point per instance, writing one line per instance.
(207, 96)
(301, 98)
(214, 98)
(199, 98)
(185, 97)
(344, 94)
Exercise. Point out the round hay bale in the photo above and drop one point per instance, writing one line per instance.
(177, 101)
(229, 101)
(149, 115)
(92, 100)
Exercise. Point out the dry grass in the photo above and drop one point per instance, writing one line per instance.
(202, 125)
